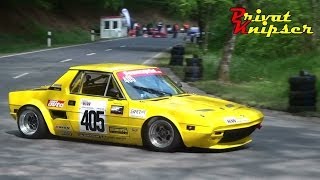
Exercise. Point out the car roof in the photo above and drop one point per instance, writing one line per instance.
(109, 67)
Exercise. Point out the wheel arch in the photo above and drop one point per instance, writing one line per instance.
(45, 113)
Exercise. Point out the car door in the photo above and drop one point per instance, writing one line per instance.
(92, 110)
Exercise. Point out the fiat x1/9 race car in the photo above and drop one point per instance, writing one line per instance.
(131, 104)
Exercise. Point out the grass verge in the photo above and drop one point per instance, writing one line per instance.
(13, 43)
(256, 82)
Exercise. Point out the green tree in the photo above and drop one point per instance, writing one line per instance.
(200, 10)
(225, 61)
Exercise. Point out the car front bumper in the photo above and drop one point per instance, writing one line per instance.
(221, 138)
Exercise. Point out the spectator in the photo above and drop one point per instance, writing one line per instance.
(186, 27)
(138, 29)
(159, 26)
(144, 29)
(175, 29)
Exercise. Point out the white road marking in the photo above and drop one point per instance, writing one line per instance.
(64, 47)
(115, 39)
(19, 76)
(90, 54)
(150, 60)
(66, 60)
(123, 46)
(108, 50)
(271, 117)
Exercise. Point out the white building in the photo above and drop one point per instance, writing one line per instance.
(113, 27)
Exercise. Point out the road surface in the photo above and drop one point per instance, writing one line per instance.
(287, 147)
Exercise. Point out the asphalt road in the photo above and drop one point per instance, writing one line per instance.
(287, 147)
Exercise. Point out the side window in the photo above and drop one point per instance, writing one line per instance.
(113, 85)
(94, 83)
(76, 84)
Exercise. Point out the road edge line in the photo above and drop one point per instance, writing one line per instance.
(63, 47)
(152, 60)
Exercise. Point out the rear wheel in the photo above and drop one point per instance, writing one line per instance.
(161, 135)
(31, 123)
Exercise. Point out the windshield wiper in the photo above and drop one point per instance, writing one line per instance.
(182, 95)
(152, 91)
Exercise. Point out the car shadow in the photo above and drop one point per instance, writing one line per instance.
(203, 150)
(180, 150)
(15, 133)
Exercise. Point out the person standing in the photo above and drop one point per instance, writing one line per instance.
(175, 30)
(159, 26)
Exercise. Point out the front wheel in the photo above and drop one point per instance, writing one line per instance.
(161, 135)
(31, 123)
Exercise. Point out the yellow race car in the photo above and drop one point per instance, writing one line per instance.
(131, 104)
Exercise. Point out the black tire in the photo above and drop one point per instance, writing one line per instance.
(150, 142)
(302, 83)
(302, 102)
(176, 60)
(194, 61)
(296, 109)
(193, 73)
(302, 79)
(303, 94)
(191, 79)
(31, 123)
(178, 50)
(302, 87)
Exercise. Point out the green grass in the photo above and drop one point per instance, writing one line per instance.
(12, 43)
(255, 82)
(260, 94)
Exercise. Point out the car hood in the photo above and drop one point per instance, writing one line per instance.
(203, 110)
(195, 103)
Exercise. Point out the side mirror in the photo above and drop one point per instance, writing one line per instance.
(56, 87)
(179, 84)
(114, 92)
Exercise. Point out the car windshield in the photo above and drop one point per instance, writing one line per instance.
(148, 84)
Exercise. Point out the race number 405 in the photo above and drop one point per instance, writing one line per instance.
(93, 121)
(92, 116)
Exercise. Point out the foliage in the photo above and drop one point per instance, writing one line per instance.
(259, 82)
(185, 8)
(220, 26)
(255, 81)
(302, 12)
(278, 45)
(215, 14)
(61, 4)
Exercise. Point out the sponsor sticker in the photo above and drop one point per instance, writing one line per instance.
(234, 120)
(63, 130)
(55, 103)
(66, 133)
(116, 109)
(91, 135)
(63, 127)
(137, 113)
(118, 130)
(129, 76)
(85, 103)
(134, 129)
